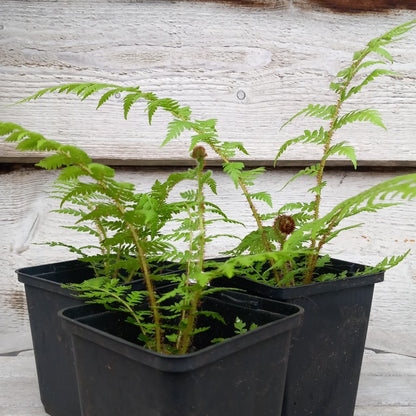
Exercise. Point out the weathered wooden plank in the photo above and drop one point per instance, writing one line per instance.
(387, 380)
(24, 220)
(249, 67)
(351, 6)
(19, 386)
(386, 386)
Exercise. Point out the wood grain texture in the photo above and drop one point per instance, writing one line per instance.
(249, 67)
(386, 386)
(351, 6)
(24, 220)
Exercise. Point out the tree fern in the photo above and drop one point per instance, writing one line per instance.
(135, 231)
(344, 88)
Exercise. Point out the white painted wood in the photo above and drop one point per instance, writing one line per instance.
(250, 67)
(19, 385)
(206, 55)
(386, 387)
(398, 381)
(24, 220)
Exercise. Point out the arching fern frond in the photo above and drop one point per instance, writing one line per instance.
(82, 90)
(308, 171)
(176, 128)
(371, 200)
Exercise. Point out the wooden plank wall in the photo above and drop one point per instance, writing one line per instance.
(251, 65)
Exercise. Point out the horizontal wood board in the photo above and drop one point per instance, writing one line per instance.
(249, 67)
(24, 220)
(386, 387)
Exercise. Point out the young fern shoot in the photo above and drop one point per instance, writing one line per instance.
(344, 89)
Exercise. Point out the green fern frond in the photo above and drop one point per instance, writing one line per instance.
(384, 265)
(367, 64)
(318, 188)
(69, 211)
(250, 175)
(210, 138)
(83, 90)
(81, 190)
(107, 95)
(82, 229)
(168, 104)
(371, 200)
(72, 249)
(54, 162)
(296, 206)
(375, 45)
(228, 149)
(129, 100)
(27, 140)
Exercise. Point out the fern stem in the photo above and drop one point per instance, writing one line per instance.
(201, 210)
(266, 243)
(142, 259)
(187, 282)
(190, 314)
(186, 334)
(148, 281)
(315, 249)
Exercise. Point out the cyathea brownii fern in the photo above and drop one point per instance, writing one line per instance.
(130, 243)
(149, 234)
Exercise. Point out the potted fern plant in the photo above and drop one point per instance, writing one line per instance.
(168, 332)
(281, 260)
(326, 353)
(45, 289)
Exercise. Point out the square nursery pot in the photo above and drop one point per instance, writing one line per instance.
(244, 375)
(51, 342)
(326, 352)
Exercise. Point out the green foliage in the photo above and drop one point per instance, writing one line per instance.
(130, 243)
(386, 264)
(142, 234)
(350, 81)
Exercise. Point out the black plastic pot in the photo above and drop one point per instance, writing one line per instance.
(51, 342)
(244, 376)
(326, 352)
